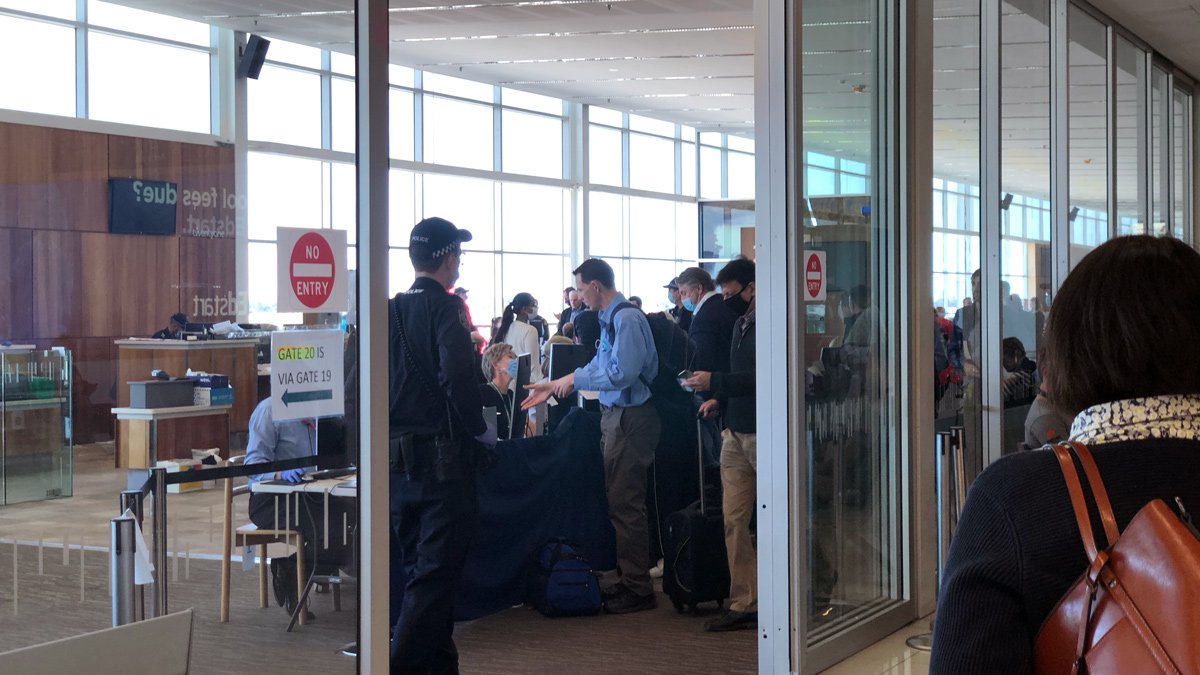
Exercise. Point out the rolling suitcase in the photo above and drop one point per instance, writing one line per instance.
(695, 566)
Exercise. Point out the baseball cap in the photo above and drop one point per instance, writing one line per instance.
(434, 237)
(674, 283)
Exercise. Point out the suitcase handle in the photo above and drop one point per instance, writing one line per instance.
(700, 462)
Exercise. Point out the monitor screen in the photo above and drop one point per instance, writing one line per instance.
(519, 416)
(566, 359)
(141, 206)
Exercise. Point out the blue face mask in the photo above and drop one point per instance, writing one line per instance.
(689, 305)
(512, 369)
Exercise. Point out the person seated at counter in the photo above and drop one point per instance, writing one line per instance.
(174, 329)
(500, 369)
(271, 441)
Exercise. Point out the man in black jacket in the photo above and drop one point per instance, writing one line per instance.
(712, 326)
(734, 391)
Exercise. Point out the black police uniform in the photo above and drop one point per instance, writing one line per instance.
(433, 505)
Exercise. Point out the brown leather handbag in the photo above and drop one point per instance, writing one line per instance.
(1136, 609)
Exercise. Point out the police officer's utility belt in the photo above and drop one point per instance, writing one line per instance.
(418, 456)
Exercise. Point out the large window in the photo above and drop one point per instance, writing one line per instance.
(142, 68)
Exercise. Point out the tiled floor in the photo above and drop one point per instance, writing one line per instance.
(890, 656)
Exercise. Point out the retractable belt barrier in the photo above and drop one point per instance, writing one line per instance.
(128, 602)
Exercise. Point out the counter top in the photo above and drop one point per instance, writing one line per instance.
(150, 343)
(169, 413)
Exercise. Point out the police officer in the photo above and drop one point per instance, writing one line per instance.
(435, 434)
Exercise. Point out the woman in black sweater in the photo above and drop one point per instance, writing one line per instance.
(1120, 353)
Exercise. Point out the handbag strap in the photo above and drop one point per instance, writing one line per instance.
(1070, 473)
(1099, 493)
(1075, 490)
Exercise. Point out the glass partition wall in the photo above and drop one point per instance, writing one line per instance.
(856, 579)
(1084, 134)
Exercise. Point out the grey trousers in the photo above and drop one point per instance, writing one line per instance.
(629, 438)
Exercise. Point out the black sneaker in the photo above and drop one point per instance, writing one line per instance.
(279, 579)
(626, 601)
(731, 620)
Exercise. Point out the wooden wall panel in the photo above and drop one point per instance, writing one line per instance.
(24, 175)
(58, 309)
(16, 291)
(78, 181)
(145, 158)
(130, 283)
(67, 282)
(209, 210)
(208, 278)
(94, 385)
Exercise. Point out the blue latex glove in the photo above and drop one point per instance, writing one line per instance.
(488, 438)
(292, 475)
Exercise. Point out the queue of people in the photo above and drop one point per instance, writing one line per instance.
(438, 437)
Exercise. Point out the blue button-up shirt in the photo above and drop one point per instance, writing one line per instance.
(615, 369)
(271, 441)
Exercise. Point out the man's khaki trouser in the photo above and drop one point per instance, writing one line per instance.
(739, 471)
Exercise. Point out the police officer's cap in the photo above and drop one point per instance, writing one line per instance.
(674, 284)
(435, 237)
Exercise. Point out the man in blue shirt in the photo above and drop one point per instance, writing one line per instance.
(621, 371)
(271, 441)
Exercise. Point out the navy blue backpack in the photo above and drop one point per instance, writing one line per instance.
(563, 583)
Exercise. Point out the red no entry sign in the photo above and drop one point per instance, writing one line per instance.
(815, 275)
(311, 269)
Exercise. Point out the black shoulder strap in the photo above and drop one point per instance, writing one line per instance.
(612, 335)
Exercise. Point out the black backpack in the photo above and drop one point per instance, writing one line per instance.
(671, 344)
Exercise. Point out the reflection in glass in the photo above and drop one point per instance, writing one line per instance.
(852, 548)
(1131, 137)
(1026, 220)
(35, 424)
(1160, 153)
(1181, 173)
(1088, 134)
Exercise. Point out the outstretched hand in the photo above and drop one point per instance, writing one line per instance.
(542, 391)
(538, 394)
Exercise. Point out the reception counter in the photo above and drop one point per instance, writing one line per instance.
(235, 358)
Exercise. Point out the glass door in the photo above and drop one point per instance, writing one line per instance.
(856, 578)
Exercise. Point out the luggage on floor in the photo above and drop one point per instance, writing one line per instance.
(695, 566)
(563, 582)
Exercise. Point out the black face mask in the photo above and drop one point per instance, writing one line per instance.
(737, 304)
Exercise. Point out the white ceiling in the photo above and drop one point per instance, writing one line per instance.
(686, 61)
(692, 62)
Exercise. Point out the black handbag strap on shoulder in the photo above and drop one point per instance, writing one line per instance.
(433, 391)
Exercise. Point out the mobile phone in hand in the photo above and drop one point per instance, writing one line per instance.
(684, 375)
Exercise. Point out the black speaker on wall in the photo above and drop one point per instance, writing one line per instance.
(251, 63)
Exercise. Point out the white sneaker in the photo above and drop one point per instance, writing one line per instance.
(656, 572)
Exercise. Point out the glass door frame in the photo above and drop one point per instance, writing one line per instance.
(903, 122)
